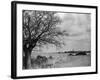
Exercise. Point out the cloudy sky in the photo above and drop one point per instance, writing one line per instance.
(79, 30)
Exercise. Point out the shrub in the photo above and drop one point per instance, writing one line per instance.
(81, 53)
(50, 57)
(39, 61)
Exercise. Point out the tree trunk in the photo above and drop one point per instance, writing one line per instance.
(28, 59)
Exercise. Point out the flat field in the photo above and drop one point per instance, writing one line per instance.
(62, 60)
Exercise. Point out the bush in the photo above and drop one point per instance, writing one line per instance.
(50, 57)
(81, 53)
(39, 61)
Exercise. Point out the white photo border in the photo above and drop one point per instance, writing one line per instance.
(20, 6)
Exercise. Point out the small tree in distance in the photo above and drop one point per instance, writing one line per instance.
(39, 28)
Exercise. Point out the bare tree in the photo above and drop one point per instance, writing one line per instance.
(39, 28)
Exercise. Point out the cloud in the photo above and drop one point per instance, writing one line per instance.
(78, 27)
(75, 23)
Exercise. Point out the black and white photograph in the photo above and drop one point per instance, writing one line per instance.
(53, 39)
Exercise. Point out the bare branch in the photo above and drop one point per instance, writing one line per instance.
(39, 27)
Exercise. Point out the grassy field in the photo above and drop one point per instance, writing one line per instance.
(62, 60)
